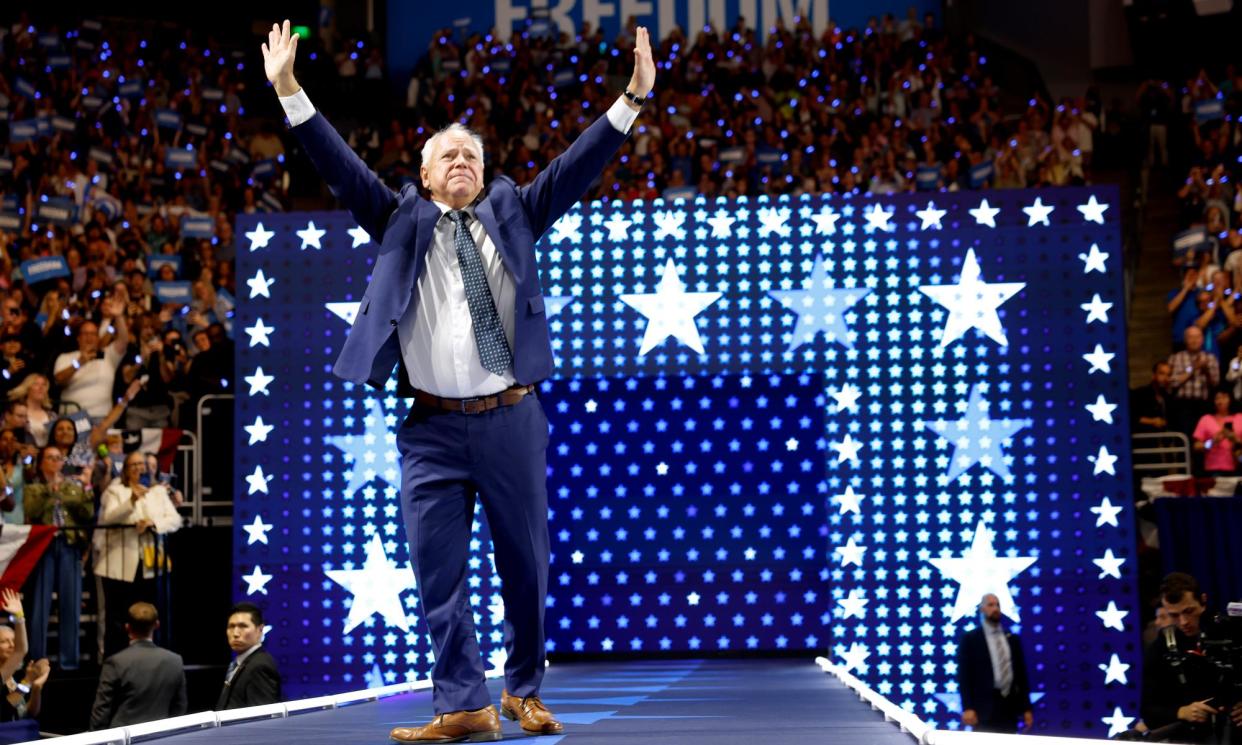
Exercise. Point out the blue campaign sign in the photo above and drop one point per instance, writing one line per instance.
(167, 119)
(197, 226)
(25, 87)
(59, 61)
(131, 88)
(44, 268)
(927, 178)
(771, 431)
(24, 130)
(6, 164)
(980, 173)
(63, 123)
(58, 210)
(181, 157)
(158, 260)
(101, 156)
(10, 221)
(1209, 110)
(178, 293)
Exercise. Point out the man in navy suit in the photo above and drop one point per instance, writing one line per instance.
(455, 305)
(991, 675)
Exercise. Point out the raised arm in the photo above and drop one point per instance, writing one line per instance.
(351, 181)
(16, 660)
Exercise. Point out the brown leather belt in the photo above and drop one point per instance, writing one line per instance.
(507, 397)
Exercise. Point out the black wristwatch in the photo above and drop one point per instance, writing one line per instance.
(634, 99)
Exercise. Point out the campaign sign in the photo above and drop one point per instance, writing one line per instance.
(195, 226)
(160, 260)
(44, 268)
(179, 293)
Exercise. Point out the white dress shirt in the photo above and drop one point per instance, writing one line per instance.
(436, 332)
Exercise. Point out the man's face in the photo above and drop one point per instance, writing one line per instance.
(1162, 374)
(12, 314)
(88, 338)
(1194, 339)
(242, 632)
(455, 174)
(990, 608)
(17, 417)
(1185, 613)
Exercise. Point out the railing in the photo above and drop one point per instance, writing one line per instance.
(209, 508)
(1166, 453)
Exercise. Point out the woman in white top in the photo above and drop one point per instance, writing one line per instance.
(127, 559)
(34, 391)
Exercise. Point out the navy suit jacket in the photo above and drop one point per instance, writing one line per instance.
(402, 224)
(974, 674)
(141, 683)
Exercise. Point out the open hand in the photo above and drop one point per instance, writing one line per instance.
(12, 602)
(278, 55)
(643, 79)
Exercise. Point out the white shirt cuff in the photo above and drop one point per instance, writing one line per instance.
(298, 107)
(621, 115)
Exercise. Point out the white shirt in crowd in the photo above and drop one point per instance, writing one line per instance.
(91, 386)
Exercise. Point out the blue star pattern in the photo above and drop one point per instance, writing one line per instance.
(696, 498)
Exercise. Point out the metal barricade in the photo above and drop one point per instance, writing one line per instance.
(214, 493)
(1160, 454)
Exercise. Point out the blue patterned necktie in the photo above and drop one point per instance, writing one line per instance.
(489, 335)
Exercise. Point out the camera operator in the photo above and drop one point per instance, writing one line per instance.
(1182, 683)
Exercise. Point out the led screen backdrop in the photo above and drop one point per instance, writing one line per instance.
(813, 424)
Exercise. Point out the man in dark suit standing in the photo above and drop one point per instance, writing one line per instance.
(142, 682)
(991, 675)
(252, 678)
(455, 304)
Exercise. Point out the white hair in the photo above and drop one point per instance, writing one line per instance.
(429, 147)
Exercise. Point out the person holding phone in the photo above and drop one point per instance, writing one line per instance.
(1216, 436)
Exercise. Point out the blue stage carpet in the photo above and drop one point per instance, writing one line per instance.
(666, 702)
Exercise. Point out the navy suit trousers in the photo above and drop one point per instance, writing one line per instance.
(447, 460)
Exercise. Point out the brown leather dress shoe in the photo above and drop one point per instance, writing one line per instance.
(531, 714)
(480, 725)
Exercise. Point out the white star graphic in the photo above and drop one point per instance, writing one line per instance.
(1094, 261)
(985, 215)
(931, 217)
(1097, 309)
(1093, 211)
(553, 304)
(1106, 513)
(1104, 462)
(855, 658)
(670, 311)
(259, 285)
(826, 221)
(310, 236)
(259, 237)
(850, 553)
(345, 311)
(977, 438)
(1099, 360)
(259, 381)
(256, 581)
(722, 224)
(360, 236)
(852, 606)
(370, 454)
(1101, 410)
(878, 218)
(846, 397)
(820, 307)
(376, 588)
(1117, 723)
(980, 571)
(972, 303)
(1115, 671)
(1037, 214)
(257, 481)
(773, 220)
(258, 431)
(618, 228)
(1110, 565)
(258, 333)
(847, 449)
(1113, 617)
(257, 531)
(849, 501)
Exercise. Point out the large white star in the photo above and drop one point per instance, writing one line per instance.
(257, 531)
(259, 381)
(1099, 360)
(1101, 410)
(1037, 213)
(722, 224)
(258, 333)
(850, 553)
(360, 236)
(1093, 211)
(618, 228)
(376, 588)
(1105, 462)
(878, 218)
(980, 571)
(256, 581)
(1097, 309)
(670, 311)
(310, 236)
(849, 501)
(259, 285)
(1106, 513)
(931, 216)
(259, 237)
(1110, 565)
(1115, 671)
(852, 606)
(826, 221)
(855, 657)
(977, 438)
(820, 307)
(985, 215)
(1113, 617)
(370, 454)
(257, 481)
(972, 303)
(1094, 261)
(847, 449)
(1117, 723)
(258, 431)
(846, 397)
